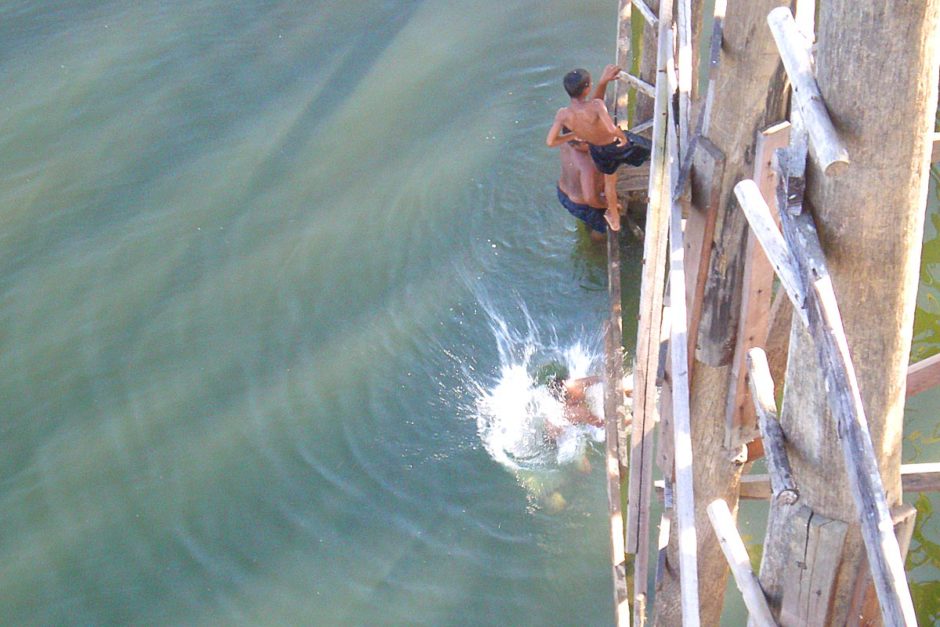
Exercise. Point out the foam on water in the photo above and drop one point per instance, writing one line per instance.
(513, 414)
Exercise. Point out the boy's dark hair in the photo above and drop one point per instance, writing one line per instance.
(576, 81)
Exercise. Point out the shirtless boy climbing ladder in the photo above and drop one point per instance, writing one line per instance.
(588, 120)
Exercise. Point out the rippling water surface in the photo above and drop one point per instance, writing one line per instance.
(251, 256)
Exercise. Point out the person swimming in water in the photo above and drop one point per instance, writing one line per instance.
(572, 392)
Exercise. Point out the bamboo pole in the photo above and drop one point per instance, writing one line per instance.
(736, 554)
(795, 52)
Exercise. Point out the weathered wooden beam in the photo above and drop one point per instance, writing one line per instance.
(709, 163)
(647, 13)
(778, 463)
(845, 404)
(650, 313)
(923, 375)
(758, 279)
(795, 53)
(810, 568)
(864, 605)
(777, 345)
(914, 478)
(736, 554)
(681, 417)
(935, 150)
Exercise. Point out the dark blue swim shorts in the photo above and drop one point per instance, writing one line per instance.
(608, 158)
(592, 217)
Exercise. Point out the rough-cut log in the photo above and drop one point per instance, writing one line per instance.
(923, 375)
(748, 97)
(762, 391)
(795, 52)
(736, 555)
(872, 243)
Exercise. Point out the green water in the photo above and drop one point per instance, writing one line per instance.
(254, 258)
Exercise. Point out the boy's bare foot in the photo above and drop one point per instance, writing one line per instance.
(613, 219)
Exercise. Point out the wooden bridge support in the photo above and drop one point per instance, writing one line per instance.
(870, 221)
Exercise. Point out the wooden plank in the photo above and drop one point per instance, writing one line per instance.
(639, 83)
(739, 562)
(795, 53)
(811, 567)
(681, 418)
(762, 391)
(650, 313)
(845, 403)
(935, 150)
(754, 321)
(614, 409)
(923, 375)
(684, 70)
(709, 167)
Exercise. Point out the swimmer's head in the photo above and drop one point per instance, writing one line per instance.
(576, 82)
(552, 375)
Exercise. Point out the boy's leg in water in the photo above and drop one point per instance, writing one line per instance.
(613, 206)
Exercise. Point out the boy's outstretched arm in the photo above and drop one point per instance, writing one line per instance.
(610, 73)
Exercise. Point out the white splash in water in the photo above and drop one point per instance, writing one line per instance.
(515, 416)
